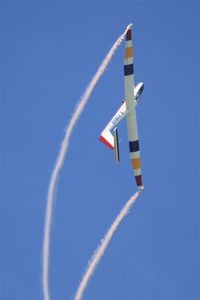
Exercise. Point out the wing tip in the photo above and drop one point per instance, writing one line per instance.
(140, 188)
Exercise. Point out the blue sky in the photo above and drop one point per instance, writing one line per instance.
(50, 50)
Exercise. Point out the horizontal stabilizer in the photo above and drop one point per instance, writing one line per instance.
(116, 146)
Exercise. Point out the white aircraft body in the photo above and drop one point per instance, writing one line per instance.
(127, 109)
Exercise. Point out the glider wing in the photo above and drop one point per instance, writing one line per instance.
(130, 109)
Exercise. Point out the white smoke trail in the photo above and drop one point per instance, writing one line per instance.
(60, 159)
(102, 247)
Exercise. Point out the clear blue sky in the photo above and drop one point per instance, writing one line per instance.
(50, 50)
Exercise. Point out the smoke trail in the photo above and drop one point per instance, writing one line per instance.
(102, 247)
(60, 159)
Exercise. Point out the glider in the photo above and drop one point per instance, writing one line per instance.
(127, 109)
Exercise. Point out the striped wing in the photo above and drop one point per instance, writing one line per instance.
(130, 109)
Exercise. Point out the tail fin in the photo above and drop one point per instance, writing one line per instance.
(107, 138)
